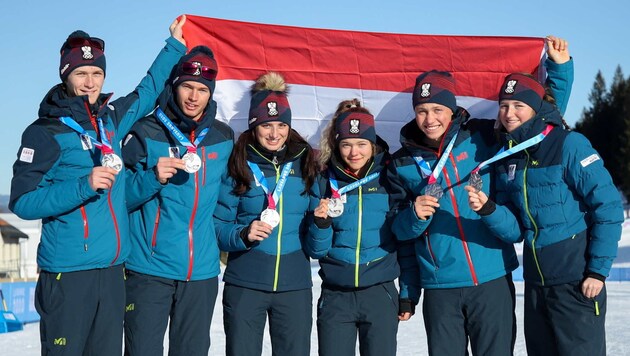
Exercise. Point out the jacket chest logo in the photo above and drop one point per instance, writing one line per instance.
(462, 156)
(511, 171)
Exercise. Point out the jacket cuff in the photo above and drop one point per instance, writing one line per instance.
(406, 306)
(243, 235)
(488, 208)
(597, 276)
(323, 223)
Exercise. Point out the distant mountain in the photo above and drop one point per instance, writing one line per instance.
(4, 204)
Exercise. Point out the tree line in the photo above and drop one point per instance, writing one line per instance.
(606, 123)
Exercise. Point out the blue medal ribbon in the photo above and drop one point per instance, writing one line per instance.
(438, 167)
(277, 192)
(68, 121)
(502, 153)
(177, 133)
(334, 186)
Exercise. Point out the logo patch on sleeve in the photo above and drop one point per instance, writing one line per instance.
(27, 155)
(590, 159)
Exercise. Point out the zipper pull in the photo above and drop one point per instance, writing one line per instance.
(274, 160)
(85, 247)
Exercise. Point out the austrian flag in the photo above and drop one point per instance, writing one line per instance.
(324, 67)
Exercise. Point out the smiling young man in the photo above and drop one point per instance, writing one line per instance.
(177, 158)
(67, 174)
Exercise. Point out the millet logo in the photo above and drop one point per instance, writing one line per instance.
(61, 341)
(213, 155)
(373, 189)
(462, 156)
(130, 307)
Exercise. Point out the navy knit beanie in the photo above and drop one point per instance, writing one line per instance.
(523, 88)
(79, 50)
(355, 123)
(435, 87)
(198, 65)
(269, 101)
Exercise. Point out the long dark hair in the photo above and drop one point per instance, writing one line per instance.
(242, 175)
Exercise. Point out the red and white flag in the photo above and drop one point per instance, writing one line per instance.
(324, 67)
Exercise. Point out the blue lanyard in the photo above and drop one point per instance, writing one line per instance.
(103, 146)
(260, 178)
(191, 147)
(438, 167)
(334, 187)
(502, 153)
(424, 166)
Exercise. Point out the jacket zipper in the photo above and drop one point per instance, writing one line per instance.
(111, 209)
(155, 229)
(85, 228)
(191, 223)
(203, 165)
(471, 266)
(279, 238)
(358, 251)
(427, 237)
(531, 218)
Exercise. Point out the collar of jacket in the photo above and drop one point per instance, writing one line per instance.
(256, 153)
(547, 115)
(184, 123)
(58, 103)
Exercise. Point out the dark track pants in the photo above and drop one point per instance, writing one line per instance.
(561, 321)
(371, 312)
(152, 300)
(81, 312)
(245, 312)
(483, 314)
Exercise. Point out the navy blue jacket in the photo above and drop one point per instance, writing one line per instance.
(560, 199)
(81, 229)
(278, 263)
(172, 228)
(359, 249)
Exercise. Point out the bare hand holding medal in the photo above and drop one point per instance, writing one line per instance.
(167, 167)
(322, 209)
(476, 198)
(425, 206)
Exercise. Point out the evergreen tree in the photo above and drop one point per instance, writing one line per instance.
(607, 125)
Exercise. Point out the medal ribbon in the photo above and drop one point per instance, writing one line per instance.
(107, 147)
(104, 146)
(334, 187)
(179, 136)
(438, 167)
(502, 153)
(260, 178)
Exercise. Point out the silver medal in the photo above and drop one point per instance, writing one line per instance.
(192, 161)
(270, 217)
(112, 160)
(434, 190)
(475, 181)
(335, 207)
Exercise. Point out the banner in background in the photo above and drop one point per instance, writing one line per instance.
(323, 67)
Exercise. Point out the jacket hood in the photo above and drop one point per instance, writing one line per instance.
(58, 103)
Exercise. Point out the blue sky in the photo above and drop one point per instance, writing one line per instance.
(134, 31)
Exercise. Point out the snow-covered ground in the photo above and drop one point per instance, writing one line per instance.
(411, 335)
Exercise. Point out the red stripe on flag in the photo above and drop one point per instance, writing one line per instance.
(366, 60)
